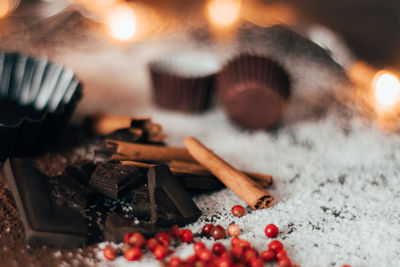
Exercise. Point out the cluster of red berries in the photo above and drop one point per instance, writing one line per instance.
(134, 243)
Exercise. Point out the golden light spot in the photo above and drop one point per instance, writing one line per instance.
(121, 22)
(223, 12)
(387, 88)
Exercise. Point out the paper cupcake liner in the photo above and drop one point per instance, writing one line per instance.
(184, 83)
(37, 98)
(253, 90)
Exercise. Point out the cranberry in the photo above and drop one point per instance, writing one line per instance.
(204, 255)
(244, 243)
(298, 265)
(186, 236)
(125, 247)
(218, 248)
(249, 254)
(207, 228)
(281, 254)
(217, 232)
(160, 252)
(197, 246)
(135, 239)
(109, 253)
(268, 255)
(346, 265)
(256, 262)
(284, 262)
(174, 262)
(163, 238)
(133, 254)
(275, 245)
(235, 241)
(238, 211)
(237, 252)
(192, 259)
(223, 262)
(271, 231)
(234, 230)
(174, 232)
(151, 243)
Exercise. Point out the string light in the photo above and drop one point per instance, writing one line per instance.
(387, 89)
(121, 22)
(223, 12)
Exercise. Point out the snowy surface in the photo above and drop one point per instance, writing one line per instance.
(337, 183)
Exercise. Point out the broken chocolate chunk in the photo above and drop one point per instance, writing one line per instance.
(170, 203)
(199, 183)
(141, 203)
(114, 180)
(43, 220)
(81, 170)
(117, 226)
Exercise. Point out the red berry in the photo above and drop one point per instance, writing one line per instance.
(237, 252)
(298, 265)
(256, 262)
(281, 254)
(174, 262)
(160, 252)
(224, 262)
(249, 254)
(133, 254)
(217, 232)
(234, 230)
(244, 243)
(346, 265)
(235, 241)
(192, 259)
(268, 255)
(151, 243)
(207, 228)
(186, 236)
(238, 211)
(174, 232)
(284, 262)
(271, 231)
(109, 253)
(197, 246)
(204, 255)
(163, 238)
(218, 248)
(275, 245)
(135, 239)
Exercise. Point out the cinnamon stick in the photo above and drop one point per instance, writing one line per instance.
(184, 168)
(248, 190)
(141, 152)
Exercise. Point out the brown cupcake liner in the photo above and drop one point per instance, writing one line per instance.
(177, 89)
(254, 90)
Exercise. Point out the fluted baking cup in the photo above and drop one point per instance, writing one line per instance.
(184, 81)
(254, 90)
(37, 98)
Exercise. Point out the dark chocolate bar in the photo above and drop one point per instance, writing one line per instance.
(141, 203)
(113, 179)
(170, 203)
(117, 226)
(199, 183)
(43, 220)
(81, 170)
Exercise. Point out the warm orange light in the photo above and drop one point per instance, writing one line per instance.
(387, 89)
(121, 22)
(223, 12)
(7, 6)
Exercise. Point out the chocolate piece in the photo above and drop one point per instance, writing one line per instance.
(253, 90)
(74, 193)
(117, 226)
(113, 179)
(43, 220)
(170, 203)
(141, 203)
(200, 183)
(81, 170)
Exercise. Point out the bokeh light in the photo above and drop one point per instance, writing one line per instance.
(121, 22)
(387, 89)
(223, 12)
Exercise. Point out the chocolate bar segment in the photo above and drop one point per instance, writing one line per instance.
(117, 226)
(81, 170)
(170, 203)
(141, 203)
(43, 220)
(113, 179)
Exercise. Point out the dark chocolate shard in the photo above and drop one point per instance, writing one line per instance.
(200, 183)
(141, 203)
(170, 203)
(117, 226)
(43, 220)
(70, 191)
(114, 180)
(81, 170)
